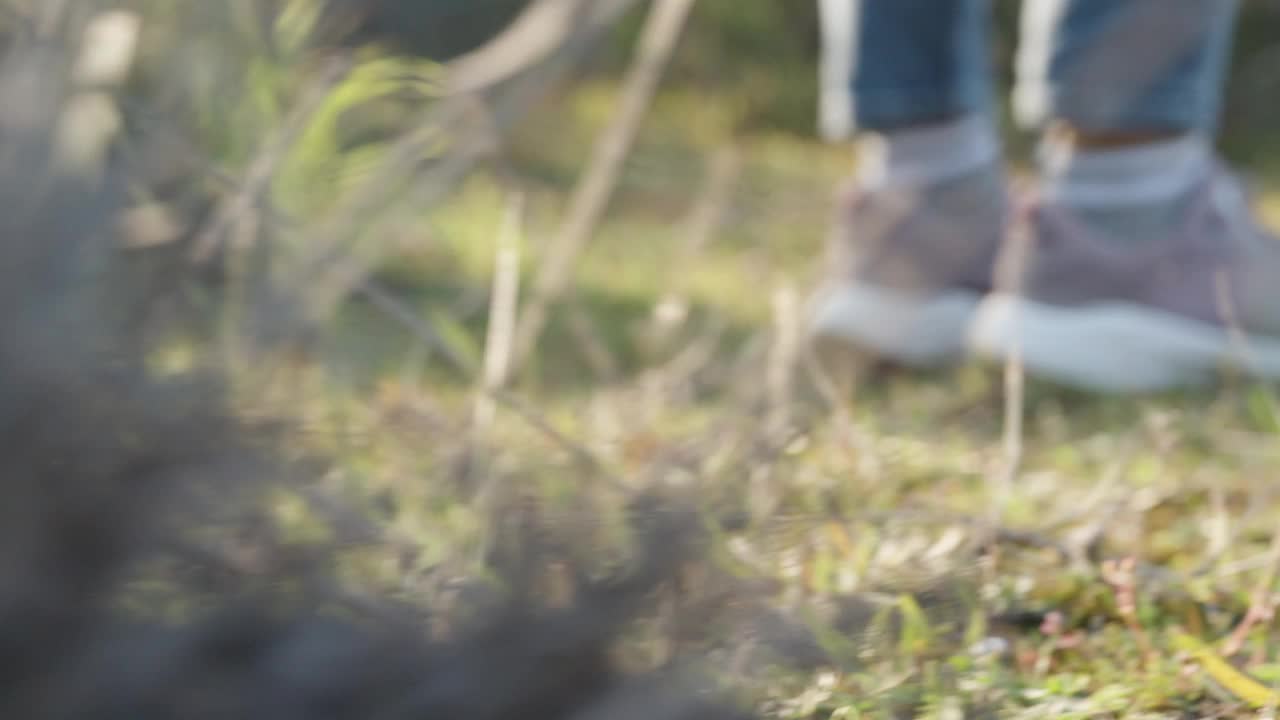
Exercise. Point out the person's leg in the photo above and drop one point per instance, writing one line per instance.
(1119, 71)
(909, 79)
(912, 79)
(1140, 265)
(1129, 93)
(889, 64)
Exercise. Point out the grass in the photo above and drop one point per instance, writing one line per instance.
(821, 507)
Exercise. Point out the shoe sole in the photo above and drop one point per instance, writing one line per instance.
(1115, 348)
(919, 332)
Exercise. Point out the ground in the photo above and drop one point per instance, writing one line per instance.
(673, 363)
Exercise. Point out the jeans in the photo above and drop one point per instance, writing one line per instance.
(1101, 65)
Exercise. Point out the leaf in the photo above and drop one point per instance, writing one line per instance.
(917, 635)
(1235, 682)
(296, 24)
(319, 167)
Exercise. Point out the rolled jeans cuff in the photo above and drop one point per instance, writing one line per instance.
(888, 108)
(1180, 109)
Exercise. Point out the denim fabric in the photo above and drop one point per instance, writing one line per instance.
(1110, 65)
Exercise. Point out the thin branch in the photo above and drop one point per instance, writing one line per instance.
(1009, 276)
(590, 199)
(596, 351)
(780, 374)
(502, 314)
(704, 220)
(578, 451)
(393, 308)
(1262, 605)
(541, 29)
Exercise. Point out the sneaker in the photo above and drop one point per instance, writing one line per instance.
(908, 268)
(1110, 317)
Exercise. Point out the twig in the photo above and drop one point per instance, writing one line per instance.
(1011, 442)
(1122, 576)
(783, 357)
(694, 357)
(154, 127)
(847, 427)
(1009, 277)
(1262, 606)
(591, 197)
(411, 321)
(1243, 565)
(502, 312)
(1220, 527)
(596, 351)
(1220, 548)
(705, 218)
(1235, 331)
(537, 421)
(497, 346)
(541, 29)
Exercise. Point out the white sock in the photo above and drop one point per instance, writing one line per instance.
(1129, 194)
(1149, 174)
(929, 154)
